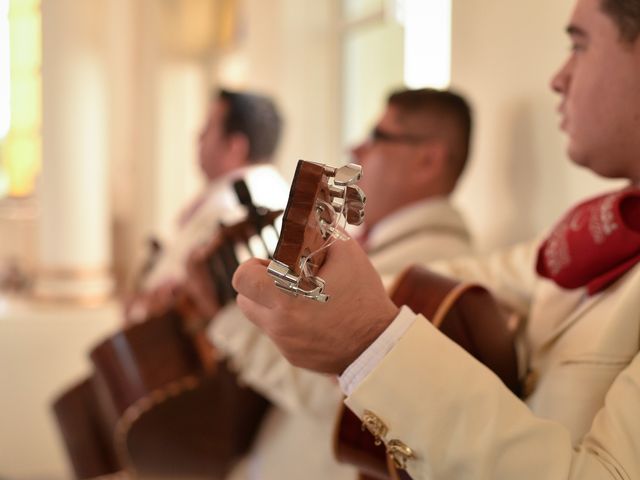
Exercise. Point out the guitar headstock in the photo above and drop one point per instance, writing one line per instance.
(320, 197)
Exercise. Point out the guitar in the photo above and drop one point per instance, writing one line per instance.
(320, 198)
(466, 313)
(158, 402)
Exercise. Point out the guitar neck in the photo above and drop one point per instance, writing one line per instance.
(320, 196)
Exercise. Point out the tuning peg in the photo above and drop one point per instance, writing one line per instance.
(355, 217)
(288, 282)
(355, 200)
(336, 192)
(355, 194)
(354, 213)
(347, 175)
(338, 205)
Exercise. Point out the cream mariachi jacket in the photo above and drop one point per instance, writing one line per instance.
(582, 420)
(295, 441)
(423, 232)
(218, 203)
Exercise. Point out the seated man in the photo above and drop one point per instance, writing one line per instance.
(448, 416)
(238, 141)
(411, 163)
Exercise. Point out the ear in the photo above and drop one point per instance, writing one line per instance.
(238, 148)
(431, 163)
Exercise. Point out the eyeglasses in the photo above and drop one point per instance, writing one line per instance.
(379, 135)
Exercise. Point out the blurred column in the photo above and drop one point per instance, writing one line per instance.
(74, 238)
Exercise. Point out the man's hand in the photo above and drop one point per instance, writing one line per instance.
(145, 305)
(325, 337)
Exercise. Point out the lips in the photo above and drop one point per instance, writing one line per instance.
(563, 116)
(563, 123)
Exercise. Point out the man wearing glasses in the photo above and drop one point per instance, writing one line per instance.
(412, 161)
(444, 414)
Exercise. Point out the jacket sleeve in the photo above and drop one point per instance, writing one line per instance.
(461, 422)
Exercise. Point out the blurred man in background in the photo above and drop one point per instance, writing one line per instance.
(238, 141)
(411, 163)
(440, 412)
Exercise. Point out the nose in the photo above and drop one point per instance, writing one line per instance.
(562, 79)
(201, 135)
(358, 152)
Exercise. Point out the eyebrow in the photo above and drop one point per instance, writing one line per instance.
(575, 31)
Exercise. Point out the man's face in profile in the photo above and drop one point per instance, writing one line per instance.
(212, 141)
(389, 157)
(600, 89)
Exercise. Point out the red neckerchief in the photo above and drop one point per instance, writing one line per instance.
(595, 243)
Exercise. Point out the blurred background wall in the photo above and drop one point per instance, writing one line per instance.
(105, 99)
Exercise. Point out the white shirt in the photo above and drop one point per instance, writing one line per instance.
(220, 205)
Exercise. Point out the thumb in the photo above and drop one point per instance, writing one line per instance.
(252, 281)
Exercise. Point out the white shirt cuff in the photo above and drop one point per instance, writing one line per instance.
(373, 355)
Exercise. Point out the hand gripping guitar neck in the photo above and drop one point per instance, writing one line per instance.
(321, 199)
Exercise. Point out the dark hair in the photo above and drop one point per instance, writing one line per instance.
(255, 116)
(626, 15)
(446, 105)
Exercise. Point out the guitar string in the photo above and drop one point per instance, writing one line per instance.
(334, 233)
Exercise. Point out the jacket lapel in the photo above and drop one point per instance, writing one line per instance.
(561, 309)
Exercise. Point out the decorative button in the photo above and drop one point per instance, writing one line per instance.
(376, 427)
(399, 452)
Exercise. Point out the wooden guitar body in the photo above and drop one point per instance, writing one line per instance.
(158, 412)
(158, 403)
(468, 315)
(84, 432)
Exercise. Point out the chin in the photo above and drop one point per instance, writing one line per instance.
(601, 169)
(584, 162)
(581, 154)
(577, 157)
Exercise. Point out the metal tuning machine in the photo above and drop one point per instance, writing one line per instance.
(289, 283)
(336, 196)
(347, 199)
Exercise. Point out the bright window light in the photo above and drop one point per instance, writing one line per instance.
(5, 72)
(427, 43)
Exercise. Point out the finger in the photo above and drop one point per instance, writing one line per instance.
(255, 312)
(163, 292)
(342, 261)
(136, 311)
(252, 281)
(262, 261)
(342, 251)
